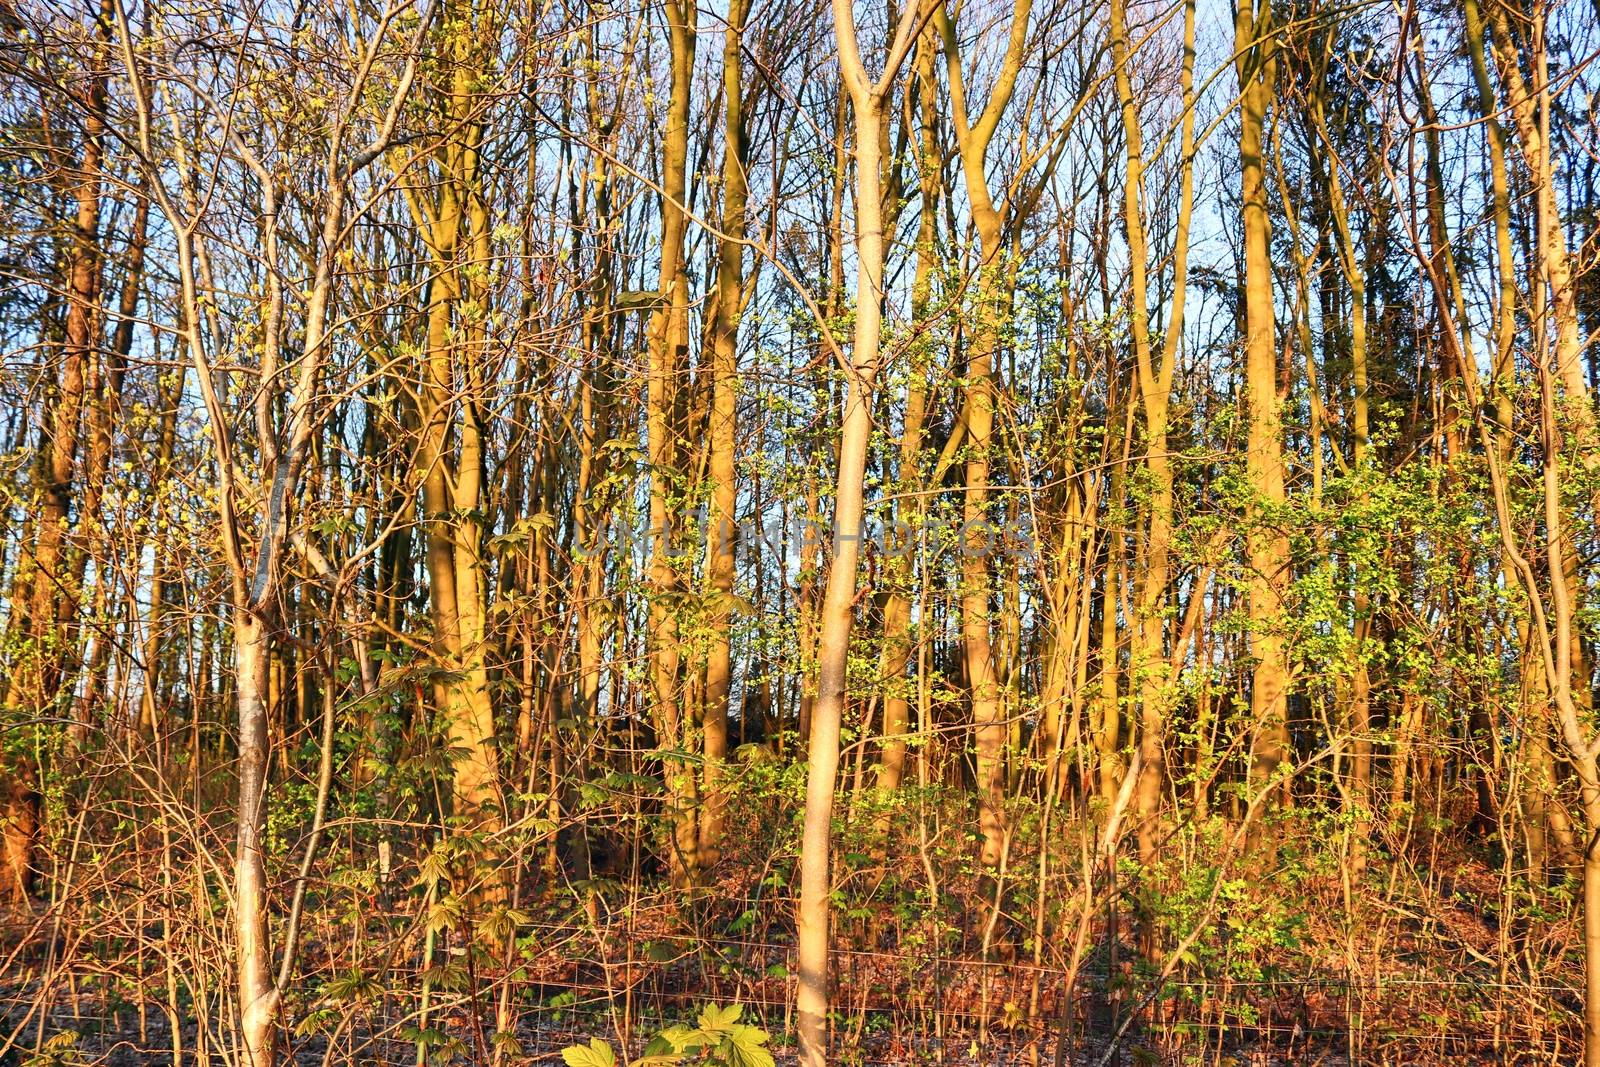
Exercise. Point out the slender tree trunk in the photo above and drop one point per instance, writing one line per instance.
(54, 591)
(1148, 656)
(449, 458)
(833, 652)
(1268, 546)
(105, 418)
(1357, 719)
(1565, 402)
(722, 537)
(1108, 730)
(168, 398)
(908, 509)
(838, 598)
(258, 995)
(993, 306)
(668, 342)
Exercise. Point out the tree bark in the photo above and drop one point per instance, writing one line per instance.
(1268, 546)
(1152, 672)
(667, 346)
(833, 646)
(993, 305)
(722, 537)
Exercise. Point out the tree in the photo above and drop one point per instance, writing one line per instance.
(1256, 62)
(867, 99)
(283, 447)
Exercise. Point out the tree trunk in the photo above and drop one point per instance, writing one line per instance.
(722, 534)
(1148, 656)
(1268, 546)
(667, 345)
(258, 995)
(993, 306)
(833, 646)
(822, 765)
(908, 509)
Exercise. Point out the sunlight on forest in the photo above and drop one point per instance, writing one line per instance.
(793, 532)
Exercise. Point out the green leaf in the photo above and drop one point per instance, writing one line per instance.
(595, 1054)
(683, 1039)
(433, 869)
(660, 1045)
(744, 1047)
(445, 914)
(715, 1020)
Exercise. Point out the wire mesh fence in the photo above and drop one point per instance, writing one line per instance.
(569, 983)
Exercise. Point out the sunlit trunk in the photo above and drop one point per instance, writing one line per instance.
(1268, 545)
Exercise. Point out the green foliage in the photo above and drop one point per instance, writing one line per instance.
(595, 1054)
(718, 1037)
(59, 1050)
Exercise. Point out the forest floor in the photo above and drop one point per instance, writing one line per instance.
(87, 1033)
(1426, 976)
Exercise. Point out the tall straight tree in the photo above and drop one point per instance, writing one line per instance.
(36, 682)
(868, 97)
(996, 280)
(909, 505)
(1255, 61)
(1149, 658)
(452, 219)
(721, 543)
(668, 346)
